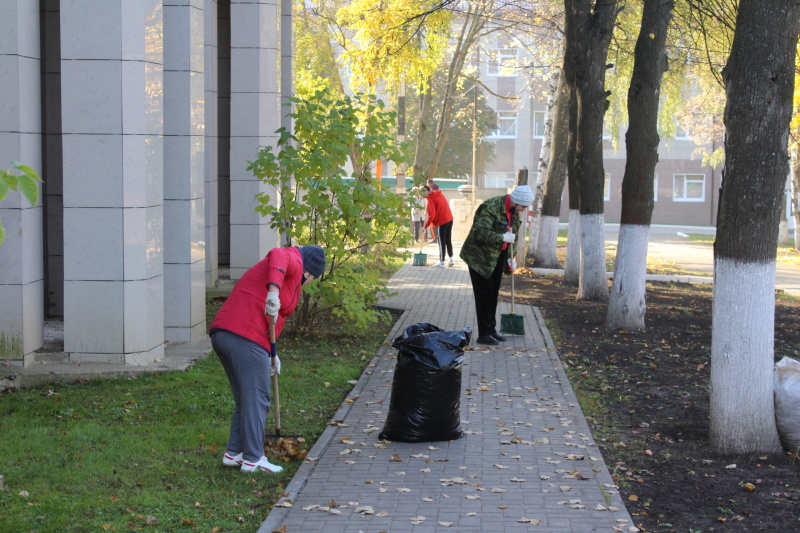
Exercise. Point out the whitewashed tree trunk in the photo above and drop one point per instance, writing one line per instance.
(544, 160)
(593, 284)
(547, 245)
(572, 265)
(743, 322)
(588, 27)
(626, 305)
(759, 84)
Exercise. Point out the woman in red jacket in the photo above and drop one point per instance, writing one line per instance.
(240, 337)
(441, 218)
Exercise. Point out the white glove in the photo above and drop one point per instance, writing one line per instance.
(512, 265)
(273, 304)
(275, 369)
(509, 237)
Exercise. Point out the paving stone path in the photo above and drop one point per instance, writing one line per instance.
(527, 461)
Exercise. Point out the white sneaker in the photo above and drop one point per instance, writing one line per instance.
(451, 262)
(232, 460)
(439, 265)
(262, 465)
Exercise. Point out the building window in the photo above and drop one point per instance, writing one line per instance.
(538, 124)
(689, 188)
(506, 125)
(502, 62)
(607, 188)
(499, 180)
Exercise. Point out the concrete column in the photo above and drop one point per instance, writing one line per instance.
(184, 174)
(211, 72)
(21, 264)
(255, 115)
(112, 120)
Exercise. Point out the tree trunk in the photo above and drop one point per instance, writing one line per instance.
(795, 198)
(474, 22)
(572, 264)
(626, 306)
(590, 30)
(759, 83)
(783, 225)
(424, 119)
(546, 243)
(554, 81)
(546, 256)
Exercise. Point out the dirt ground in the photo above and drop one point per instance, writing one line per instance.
(645, 395)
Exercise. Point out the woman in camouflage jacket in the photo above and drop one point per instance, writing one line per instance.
(485, 251)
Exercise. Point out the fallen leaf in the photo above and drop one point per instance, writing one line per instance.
(633, 498)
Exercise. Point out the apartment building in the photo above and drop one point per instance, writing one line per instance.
(686, 190)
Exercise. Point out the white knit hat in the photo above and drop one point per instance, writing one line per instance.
(522, 195)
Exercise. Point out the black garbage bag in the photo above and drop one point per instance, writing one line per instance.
(426, 389)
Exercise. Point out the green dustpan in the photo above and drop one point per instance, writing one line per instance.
(420, 259)
(511, 323)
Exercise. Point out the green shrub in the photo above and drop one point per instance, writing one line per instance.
(318, 201)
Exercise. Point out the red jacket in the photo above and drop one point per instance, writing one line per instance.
(243, 311)
(438, 210)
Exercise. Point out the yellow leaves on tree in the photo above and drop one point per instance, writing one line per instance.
(391, 40)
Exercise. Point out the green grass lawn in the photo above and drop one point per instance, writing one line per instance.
(145, 453)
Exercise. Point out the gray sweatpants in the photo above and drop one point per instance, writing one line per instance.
(247, 365)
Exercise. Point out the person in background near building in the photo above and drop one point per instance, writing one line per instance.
(418, 204)
(485, 252)
(269, 290)
(441, 218)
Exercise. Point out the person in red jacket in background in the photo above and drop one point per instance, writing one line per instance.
(269, 290)
(441, 218)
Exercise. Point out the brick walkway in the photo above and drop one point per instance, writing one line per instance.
(526, 463)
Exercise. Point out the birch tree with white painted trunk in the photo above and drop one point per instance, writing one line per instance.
(759, 84)
(546, 243)
(589, 26)
(626, 306)
(544, 160)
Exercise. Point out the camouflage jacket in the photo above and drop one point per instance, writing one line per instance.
(483, 245)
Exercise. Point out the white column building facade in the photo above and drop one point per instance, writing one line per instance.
(184, 171)
(141, 117)
(112, 57)
(21, 258)
(254, 118)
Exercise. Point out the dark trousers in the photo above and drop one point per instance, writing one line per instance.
(418, 226)
(486, 292)
(445, 233)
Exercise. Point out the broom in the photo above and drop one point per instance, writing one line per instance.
(512, 324)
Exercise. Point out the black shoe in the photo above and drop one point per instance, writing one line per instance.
(498, 337)
(488, 340)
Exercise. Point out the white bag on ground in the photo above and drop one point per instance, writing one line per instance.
(787, 402)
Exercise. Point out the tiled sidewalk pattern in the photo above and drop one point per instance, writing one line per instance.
(527, 461)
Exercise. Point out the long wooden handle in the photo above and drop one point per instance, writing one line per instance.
(276, 398)
(276, 401)
(512, 279)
